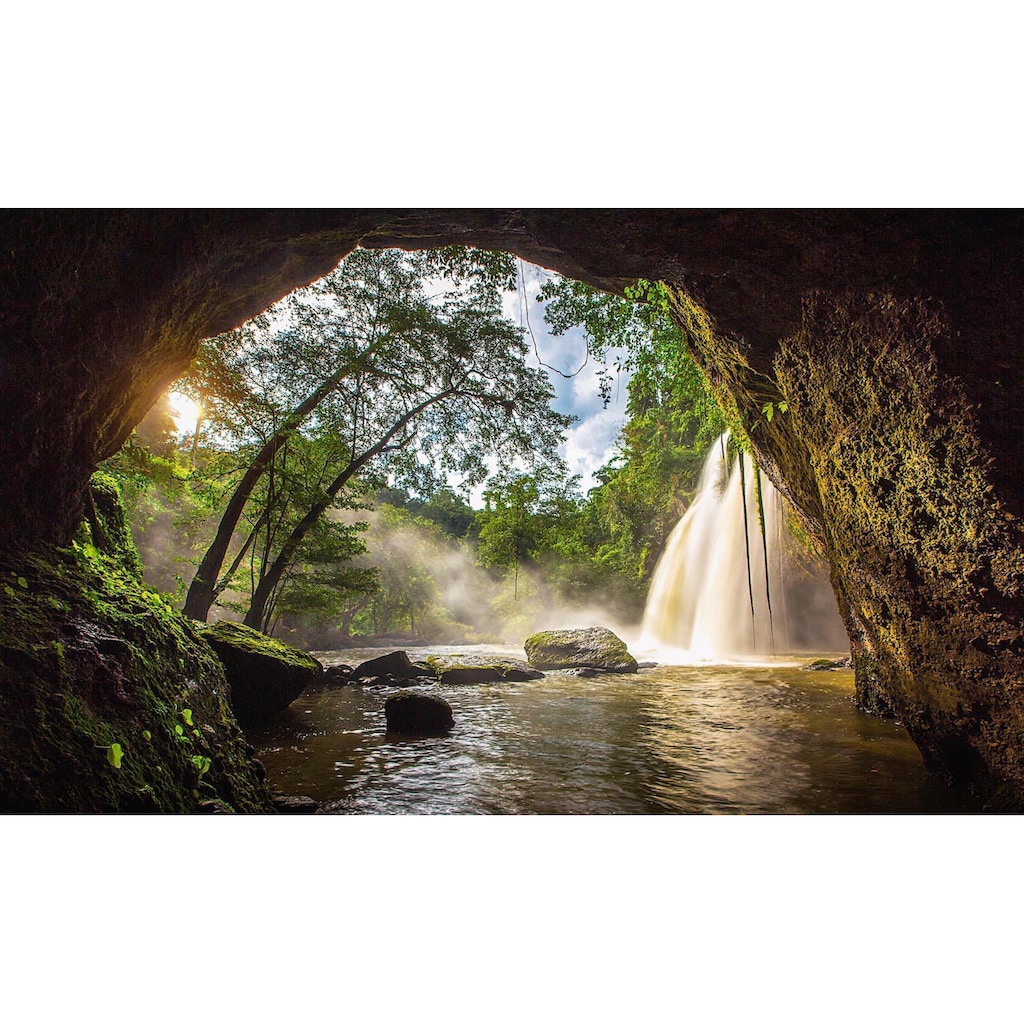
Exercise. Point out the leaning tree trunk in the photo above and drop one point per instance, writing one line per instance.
(270, 581)
(203, 590)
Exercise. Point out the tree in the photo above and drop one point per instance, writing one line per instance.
(525, 514)
(413, 383)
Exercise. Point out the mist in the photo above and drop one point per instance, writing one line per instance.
(462, 601)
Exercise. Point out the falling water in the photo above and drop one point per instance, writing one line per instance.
(702, 603)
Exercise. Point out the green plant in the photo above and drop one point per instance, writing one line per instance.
(768, 410)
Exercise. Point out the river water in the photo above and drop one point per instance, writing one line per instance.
(719, 739)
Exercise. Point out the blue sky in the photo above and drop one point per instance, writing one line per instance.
(591, 442)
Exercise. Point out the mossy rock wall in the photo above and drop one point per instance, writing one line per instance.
(109, 698)
(882, 453)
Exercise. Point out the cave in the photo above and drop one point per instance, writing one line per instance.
(893, 336)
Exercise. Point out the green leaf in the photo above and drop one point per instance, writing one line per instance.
(186, 714)
(147, 735)
(179, 730)
(23, 583)
(114, 755)
(9, 591)
(783, 406)
(769, 411)
(202, 763)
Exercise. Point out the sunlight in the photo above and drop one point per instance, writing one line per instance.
(185, 412)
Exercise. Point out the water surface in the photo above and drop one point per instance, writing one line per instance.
(672, 739)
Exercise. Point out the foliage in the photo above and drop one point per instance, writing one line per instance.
(674, 416)
(383, 379)
(408, 385)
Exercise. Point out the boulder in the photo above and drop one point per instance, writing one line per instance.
(338, 675)
(472, 668)
(386, 680)
(396, 664)
(594, 648)
(413, 713)
(264, 675)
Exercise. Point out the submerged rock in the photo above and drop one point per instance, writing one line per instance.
(473, 668)
(593, 648)
(413, 713)
(295, 804)
(395, 664)
(264, 675)
(828, 664)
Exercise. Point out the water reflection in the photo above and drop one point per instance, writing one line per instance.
(673, 739)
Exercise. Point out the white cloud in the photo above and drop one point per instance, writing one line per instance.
(591, 442)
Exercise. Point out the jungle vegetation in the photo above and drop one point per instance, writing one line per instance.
(323, 492)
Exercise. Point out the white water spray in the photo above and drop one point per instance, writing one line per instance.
(699, 606)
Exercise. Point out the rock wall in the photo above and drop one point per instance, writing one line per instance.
(109, 698)
(894, 336)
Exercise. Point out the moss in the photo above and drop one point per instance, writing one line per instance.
(264, 675)
(468, 668)
(881, 451)
(90, 658)
(254, 642)
(114, 534)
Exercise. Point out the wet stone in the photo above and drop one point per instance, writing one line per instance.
(295, 805)
(413, 713)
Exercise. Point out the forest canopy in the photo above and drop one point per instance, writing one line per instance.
(322, 492)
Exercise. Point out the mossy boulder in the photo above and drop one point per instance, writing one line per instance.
(829, 664)
(593, 648)
(413, 713)
(264, 675)
(109, 699)
(471, 668)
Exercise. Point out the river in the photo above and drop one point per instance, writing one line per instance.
(709, 739)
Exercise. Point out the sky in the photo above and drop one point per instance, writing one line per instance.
(591, 442)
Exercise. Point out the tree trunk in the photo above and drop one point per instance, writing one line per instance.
(270, 581)
(203, 590)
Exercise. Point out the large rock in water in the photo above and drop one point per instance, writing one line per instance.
(264, 675)
(473, 668)
(595, 648)
(413, 713)
(396, 664)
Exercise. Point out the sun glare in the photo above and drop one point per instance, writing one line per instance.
(185, 412)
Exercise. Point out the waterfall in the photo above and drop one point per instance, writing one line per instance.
(699, 603)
